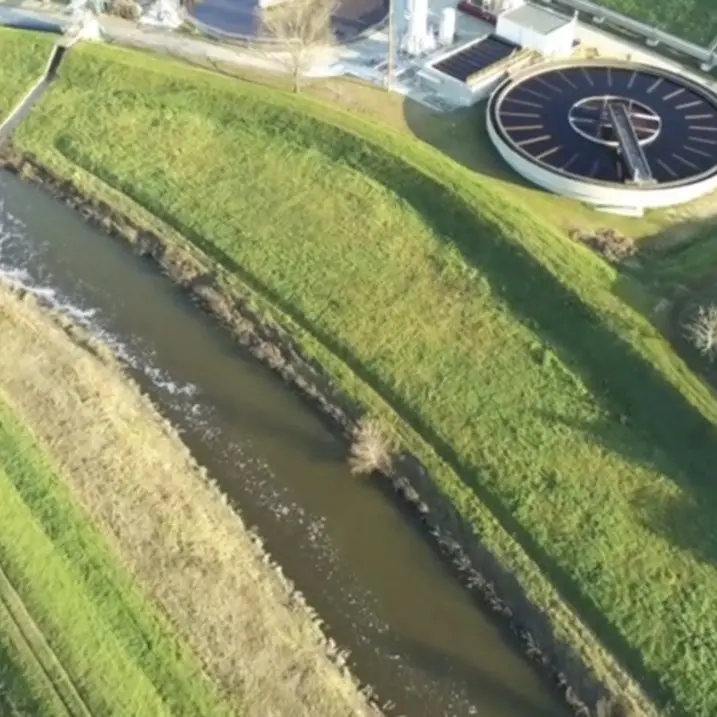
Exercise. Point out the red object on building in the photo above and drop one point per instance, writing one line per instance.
(479, 13)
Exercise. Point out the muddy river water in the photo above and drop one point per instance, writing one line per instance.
(413, 632)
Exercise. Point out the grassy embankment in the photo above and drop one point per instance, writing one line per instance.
(105, 651)
(76, 635)
(694, 20)
(24, 56)
(471, 327)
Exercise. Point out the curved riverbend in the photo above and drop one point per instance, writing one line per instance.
(414, 633)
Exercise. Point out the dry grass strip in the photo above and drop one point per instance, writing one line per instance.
(185, 545)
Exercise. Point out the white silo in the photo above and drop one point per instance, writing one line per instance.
(447, 30)
(418, 39)
(417, 25)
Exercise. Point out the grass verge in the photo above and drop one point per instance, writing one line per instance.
(23, 56)
(91, 643)
(693, 20)
(500, 353)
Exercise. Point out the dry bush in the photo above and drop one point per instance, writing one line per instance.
(701, 331)
(611, 244)
(175, 531)
(613, 707)
(126, 9)
(371, 449)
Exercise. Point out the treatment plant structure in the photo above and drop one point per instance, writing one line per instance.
(621, 135)
(618, 135)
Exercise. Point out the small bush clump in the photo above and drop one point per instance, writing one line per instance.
(701, 331)
(371, 450)
(611, 244)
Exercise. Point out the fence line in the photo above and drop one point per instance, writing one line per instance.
(707, 56)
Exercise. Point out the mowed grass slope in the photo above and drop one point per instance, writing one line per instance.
(23, 56)
(694, 20)
(501, 344)
(76, 634)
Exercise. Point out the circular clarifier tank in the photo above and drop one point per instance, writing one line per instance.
(609, 133)
(239, 19)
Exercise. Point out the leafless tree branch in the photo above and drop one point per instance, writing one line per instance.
(295, 29)
(701, 331)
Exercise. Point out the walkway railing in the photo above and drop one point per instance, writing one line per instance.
(632, 151)
(707, 56)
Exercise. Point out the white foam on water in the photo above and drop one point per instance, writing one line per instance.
(14, 272)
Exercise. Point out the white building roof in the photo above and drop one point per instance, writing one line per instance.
(541, 20)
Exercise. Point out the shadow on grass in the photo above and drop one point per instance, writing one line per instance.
(687, 521)
(461, 135)
(619, 377)
(683, 253)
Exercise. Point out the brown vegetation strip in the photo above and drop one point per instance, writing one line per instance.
(186, 546)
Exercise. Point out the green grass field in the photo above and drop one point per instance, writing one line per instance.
(76, 637)
(24, 56)
(557, 404)
(505, 355)
(694, 20)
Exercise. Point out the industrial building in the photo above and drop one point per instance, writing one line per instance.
(510, 34)
(537, 28)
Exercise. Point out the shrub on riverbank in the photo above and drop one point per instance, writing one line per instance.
(371, 450)
(433, 300)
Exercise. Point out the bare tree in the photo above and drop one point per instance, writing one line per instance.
(701, 331)
(295, 29)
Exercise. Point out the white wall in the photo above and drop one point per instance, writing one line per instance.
(557, 43)
(561, 41)
(508, 30)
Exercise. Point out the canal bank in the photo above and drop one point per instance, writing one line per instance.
(132, 517)
(530, 627)
(381, 589)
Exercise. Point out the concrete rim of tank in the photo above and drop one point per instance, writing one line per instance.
(508, 147)
(243, 39)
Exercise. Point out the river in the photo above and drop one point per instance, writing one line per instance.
(413, 632)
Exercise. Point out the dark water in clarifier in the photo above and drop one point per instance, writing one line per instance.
(413, 632)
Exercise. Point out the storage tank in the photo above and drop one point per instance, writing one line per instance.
(447, 30)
